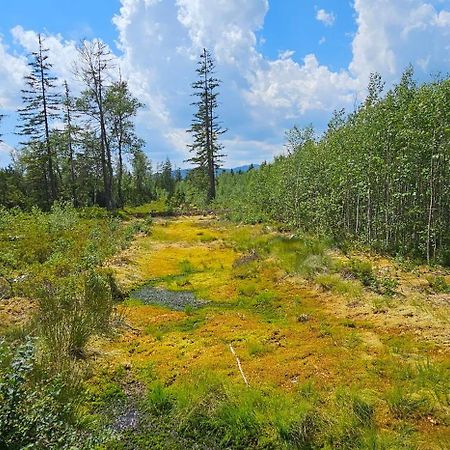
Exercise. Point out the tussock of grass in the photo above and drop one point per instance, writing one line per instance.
(257, 349)
(438, 284)
(405, 405)
(187, 325)
(303, 256)
(334, 283)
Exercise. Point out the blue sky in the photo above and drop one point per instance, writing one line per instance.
(282, 62)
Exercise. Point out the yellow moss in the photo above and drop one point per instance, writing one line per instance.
(284, 329)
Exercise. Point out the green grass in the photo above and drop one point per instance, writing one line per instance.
(333, 282)
(301, 255)
(156, 207)
(256, 348)
(188, 325)
(214, 413)
(186, 267)
(438, 284)
(54, 259)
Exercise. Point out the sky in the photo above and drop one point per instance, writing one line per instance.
(282, 62)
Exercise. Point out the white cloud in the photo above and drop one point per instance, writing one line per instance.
(226, 26)
(327, 18)
(239, 148)
(5, 154)
(393, 34)
(12, 70)
(287, 88)
(63, 54)
(286, 54)
(260, 97)
(161, 42)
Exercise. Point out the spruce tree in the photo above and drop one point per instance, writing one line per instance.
(41, 104)
(70, 131)
(120, 110)
(95, 61)
(205, 127)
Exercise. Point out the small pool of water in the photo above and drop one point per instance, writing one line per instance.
(177, 300)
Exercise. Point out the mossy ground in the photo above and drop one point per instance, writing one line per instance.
(339, 351)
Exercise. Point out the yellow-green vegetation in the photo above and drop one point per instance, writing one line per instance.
(156, 207)
(340, 351)
(55, 295)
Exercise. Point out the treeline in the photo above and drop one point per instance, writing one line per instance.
(84, 149)
(379, 176)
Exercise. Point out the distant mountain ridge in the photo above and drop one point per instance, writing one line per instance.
(244, 168)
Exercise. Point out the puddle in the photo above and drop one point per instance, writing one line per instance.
(170, 299)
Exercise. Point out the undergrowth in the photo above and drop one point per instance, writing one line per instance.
(55, 260)
(212, 413)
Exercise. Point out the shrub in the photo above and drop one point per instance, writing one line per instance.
(363, 271)
(438, 284)
(70, 311)
(35, 413)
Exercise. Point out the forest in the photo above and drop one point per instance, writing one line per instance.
(302, 304)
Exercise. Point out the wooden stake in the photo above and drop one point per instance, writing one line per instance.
(239, 365)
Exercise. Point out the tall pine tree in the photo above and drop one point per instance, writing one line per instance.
(94, 63)
(205, 127)
(41, 103)
(120, 110)
(70, 131)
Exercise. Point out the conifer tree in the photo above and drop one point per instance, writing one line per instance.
(95, 61)
(120, 109)
(41, 104)
(142, 177)
(70, 131)
(205, 127)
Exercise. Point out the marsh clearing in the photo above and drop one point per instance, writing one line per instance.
(340, 351)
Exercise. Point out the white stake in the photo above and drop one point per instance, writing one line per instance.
(239, 365)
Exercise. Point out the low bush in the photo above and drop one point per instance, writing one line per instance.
(36, 409)
(70, 311)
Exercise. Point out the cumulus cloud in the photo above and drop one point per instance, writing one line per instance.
(327, 18)
(393, 34)
(160, 42)
(12, 70)
(63, 54)
(287, 87)
(5, 154)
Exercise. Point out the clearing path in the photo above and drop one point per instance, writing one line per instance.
(303, 321)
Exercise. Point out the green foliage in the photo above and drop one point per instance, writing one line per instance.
(363, 271)
(208, 413)
(439, 285)
(205, 127)
(190, 194)
(404, 405)
(378, 177)
(186, 267)
(70, 311)
(39, 246)
(55, 258)
(159, 400)
(36, 410)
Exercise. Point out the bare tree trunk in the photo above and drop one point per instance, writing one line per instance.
(51, 173)
(73, 185)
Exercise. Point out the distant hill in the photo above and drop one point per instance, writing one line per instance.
(245, 168)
